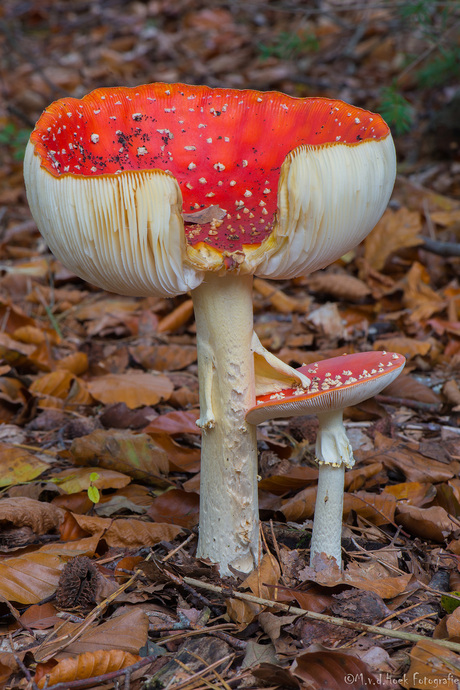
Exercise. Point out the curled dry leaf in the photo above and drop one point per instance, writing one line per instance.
(162, 357)
(86, 666)
(395, 230)
(412, 493)
(332, 670)
(378, 508)
(177, 318)
(339, 285)
(181, 458)
(76, 363)
(409, 347)
(427, 523)
(21, 511)
(418, 296)
(408, 387)
(61, 388)
(174, 423)
(134, 388)
(134, 454)
(132, 533)
(261, 583)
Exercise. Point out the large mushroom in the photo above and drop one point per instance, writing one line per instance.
(336, 383)
(280, 187)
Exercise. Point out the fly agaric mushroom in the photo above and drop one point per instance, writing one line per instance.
(281, 186)
(335, 384)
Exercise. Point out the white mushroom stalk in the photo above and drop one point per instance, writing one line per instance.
(336, 383)
(167, 188)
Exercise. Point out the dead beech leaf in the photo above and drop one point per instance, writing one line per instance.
(432, 666)
(339, 285)
(301, 506)
(133, 454)
(408, 387)
(135, 388)
(160, 357)
(261, 582)
(377, 508)
(40, 616)
(27, 512)
(427, 523)
(396, 455)
(88, 665)
(30, 578)
(175, 423)
(181, 458)
(176, 507)
(409, 347)
(374, 577)
(18, 465)
(332, 670)
(297, 478)
(132, 533)
(418, 296)
(77, 479)
(356, 478)
(76, 363)
(177, 318)
(60, 387)
(412, 493)
(395, 230)
(205, 215)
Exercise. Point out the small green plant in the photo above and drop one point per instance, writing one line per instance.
(440, 69)
(93, 492)
(288, 46)
(15, 138)
(396, 110)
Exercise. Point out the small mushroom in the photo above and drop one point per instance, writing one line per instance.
(335, 384)
(282, 186)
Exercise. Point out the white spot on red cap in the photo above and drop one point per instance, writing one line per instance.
(141, 151)
(190, 148)
(191, 166)
(203, 180)
(94, 138)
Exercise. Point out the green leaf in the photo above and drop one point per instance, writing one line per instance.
(93, 494)
(448, 603)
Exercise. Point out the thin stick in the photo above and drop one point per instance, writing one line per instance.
(342, 622)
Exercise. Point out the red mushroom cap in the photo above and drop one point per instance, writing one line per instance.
(224, 147)
(335, 384)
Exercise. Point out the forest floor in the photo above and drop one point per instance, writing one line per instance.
(99, 450)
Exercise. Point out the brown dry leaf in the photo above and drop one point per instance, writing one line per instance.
(160, 357)
(12, 317)
(356, 478)
(135, 388)
(296, 478)
(116, 307)
(76, 363)
(374, 577)
(339, 285)
(40, 616)
(412, 493)
(19, 465)
(279, 300)
(181, 458)
(301, 506)
(176, 507)
(399, 456)
(13, 352)
(177, 318)
(407, 386)
(77, 479)
(446, 218)
(61, 388)
(87, 546)
(418, 296)
(133, 454)
(394, 231)
(26, 512)
(377, 508)
(409, 347)
(314, 599)
(431, 667)
(174, 423)
(30, 578)
(427, 523)
(261, 583)
(332, 670)
(88, 665)
(132, 533)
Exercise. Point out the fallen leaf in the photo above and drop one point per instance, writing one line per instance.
(176, 507)
(394, 231)
(21, 511)
(30, 578)
(134, 388)
(431, 666)
(18, 465)
(86, 665)
(427, 523)
(78, 479)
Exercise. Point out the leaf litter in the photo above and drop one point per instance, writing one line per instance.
(101, 391)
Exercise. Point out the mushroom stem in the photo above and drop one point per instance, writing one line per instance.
(229, 527)
(334, 453)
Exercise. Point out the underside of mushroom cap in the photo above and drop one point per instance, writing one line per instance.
(294, 182)
(336, 383)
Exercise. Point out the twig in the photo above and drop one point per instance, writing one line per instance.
(446, 249)
(407, 402)
(342, 622)
(178, 548)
